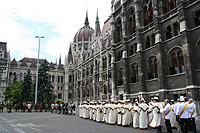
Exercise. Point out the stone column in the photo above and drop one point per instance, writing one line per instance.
(113, 78)
(123, 16)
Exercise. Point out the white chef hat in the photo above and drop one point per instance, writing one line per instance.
(182, 98)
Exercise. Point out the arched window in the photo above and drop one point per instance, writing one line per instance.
(132, 22)
(59, 95)
(177, 62)
(120, 77)
(148, 12)
(1, 73)
(134, 77)
(152, 39)
(153, 69)
(58, 79)
(14, 77)
(119, 30)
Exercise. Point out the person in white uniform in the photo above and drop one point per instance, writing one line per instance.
(167, 115)
(193, 116)
(173, 116)
(135, 114)
(175, 111)
(143, 118)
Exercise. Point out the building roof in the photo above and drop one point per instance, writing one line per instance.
(85, 33)
(23, 63)
(14, 62)
(52, 65)
(30, 60)
(33, 64)
(4, 48)
(60, 66)
(106, 25)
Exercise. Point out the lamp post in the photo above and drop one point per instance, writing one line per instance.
(36, 87)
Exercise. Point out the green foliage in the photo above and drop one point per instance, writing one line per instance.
(26, 87)
(45, 89)
(13, 92)
(59, 101)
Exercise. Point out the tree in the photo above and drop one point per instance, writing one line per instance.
(26, 88)
(13, 92)
(45, 89)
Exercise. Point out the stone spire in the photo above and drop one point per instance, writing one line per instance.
(70, 57)
(97, 25)
(60, 60)
(86, 19)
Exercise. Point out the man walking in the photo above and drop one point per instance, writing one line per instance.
(192, 116)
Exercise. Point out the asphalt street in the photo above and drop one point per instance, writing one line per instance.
(47, 122)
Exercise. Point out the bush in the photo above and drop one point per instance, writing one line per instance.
(58, 101)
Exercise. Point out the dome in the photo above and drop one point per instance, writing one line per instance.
(84, 34)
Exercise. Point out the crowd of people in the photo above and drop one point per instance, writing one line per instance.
(139, 114)
(69, 109)
(29, 107)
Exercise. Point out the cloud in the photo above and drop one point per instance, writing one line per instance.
(57, 20)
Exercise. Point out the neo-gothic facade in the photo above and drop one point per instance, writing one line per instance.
(146, 48)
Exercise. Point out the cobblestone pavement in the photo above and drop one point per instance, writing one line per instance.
(47, 122)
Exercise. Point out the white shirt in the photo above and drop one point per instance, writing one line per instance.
(192, 107)
(176, 107)
(186, 113)
(165, 110)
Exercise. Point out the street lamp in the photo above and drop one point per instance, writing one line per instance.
(36, 87)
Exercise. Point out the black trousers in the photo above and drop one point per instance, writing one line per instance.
(168, 125)
(192, 125)
(184, 123)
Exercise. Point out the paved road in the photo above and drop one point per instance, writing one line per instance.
(47, 122)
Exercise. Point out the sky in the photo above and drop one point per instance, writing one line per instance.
(56, 20)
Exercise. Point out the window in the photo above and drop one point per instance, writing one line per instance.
(58, 79)
(61, 88)
(70, 78)
(176, 29)
(49, 78)
(105, 89)
(177, 62)
(61, 79)
(168, 5)
(172, 4)
(153, 69)
(134, 77)
(59, 95)
(148, 12)
(120, 79)
(104, 63)
(131, 50)
(197, 19)
(119, 30)
(147, 44)
(132, 22)
(119, 55)
(152, 39)
(1, 73)
(168, 32)
(1, 54)
(10, 78)
(58, 87)
(53, 78)
(110, 58)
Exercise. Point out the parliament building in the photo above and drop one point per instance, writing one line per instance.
(145, 48)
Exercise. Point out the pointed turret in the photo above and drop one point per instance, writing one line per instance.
(60, 60)
(86, 19)
(70, 57)
(97, 25)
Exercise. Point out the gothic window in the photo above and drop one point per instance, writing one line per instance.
(58, 79)
(197, 18)
(131, 50)
(110, 57)
(120, 77)
(91, 69)
(61, 79)
(49, 78)
(119, 55)
(152, 39)
(169, 5)
(134, 77)
(148, 11)
(153, 69)
(104, 63)
(177, 62)
(53, 78)
(119, 30)
(58, 87)
(61, 88)
(70, 78)
(147, 42)
(176, 29)
(132, 22)
(1, 73)
(14, 76)
(169, 32)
